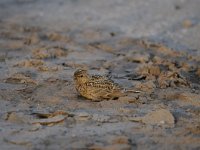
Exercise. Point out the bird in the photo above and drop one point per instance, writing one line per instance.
(96, 87)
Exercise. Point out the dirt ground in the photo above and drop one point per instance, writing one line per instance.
(151, 46)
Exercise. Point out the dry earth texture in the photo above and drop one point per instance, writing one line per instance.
(152, 47)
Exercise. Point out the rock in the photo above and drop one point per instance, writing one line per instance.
(50, 121)
(47, 114)
(158, 117)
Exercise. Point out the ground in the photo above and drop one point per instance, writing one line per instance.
(148, 46)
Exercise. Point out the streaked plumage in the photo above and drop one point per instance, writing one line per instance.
(95, 87)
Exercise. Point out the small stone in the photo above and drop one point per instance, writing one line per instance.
(49, 121)
(158, 117)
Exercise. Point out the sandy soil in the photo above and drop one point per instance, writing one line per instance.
(151, 46)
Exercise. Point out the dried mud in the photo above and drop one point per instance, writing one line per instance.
(40, 108)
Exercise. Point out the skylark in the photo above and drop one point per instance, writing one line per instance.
(96, 87)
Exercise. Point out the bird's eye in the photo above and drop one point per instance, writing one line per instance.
(81, 76)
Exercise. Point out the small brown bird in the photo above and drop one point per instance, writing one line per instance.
(95, 87)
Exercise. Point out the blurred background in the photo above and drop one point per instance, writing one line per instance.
(175, 21)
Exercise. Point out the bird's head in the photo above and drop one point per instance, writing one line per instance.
(81, 76)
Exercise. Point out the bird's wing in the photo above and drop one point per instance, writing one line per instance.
(98, 77)
(103, 84)
(105, 89)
